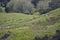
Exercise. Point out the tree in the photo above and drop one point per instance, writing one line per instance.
(22, 6)
(54, 4)
(37, 38)
(7, 10)
(43, 6)
(4, 2)
(35, 2)
(10, 6)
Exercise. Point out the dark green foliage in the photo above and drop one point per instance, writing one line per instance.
(4, 2)
(35, 2)
(37, 38)
(7, 10)
(45, 37)
(57, 35)
(54, 4)
(6, 35)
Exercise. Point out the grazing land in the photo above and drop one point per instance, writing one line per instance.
(25, 27)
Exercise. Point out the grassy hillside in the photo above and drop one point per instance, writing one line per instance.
(25, 27)
(13, 19)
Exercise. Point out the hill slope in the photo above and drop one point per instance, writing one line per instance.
(25, 27)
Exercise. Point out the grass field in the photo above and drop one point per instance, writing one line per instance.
(25, 27)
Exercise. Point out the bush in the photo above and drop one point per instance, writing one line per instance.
(35, 2)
